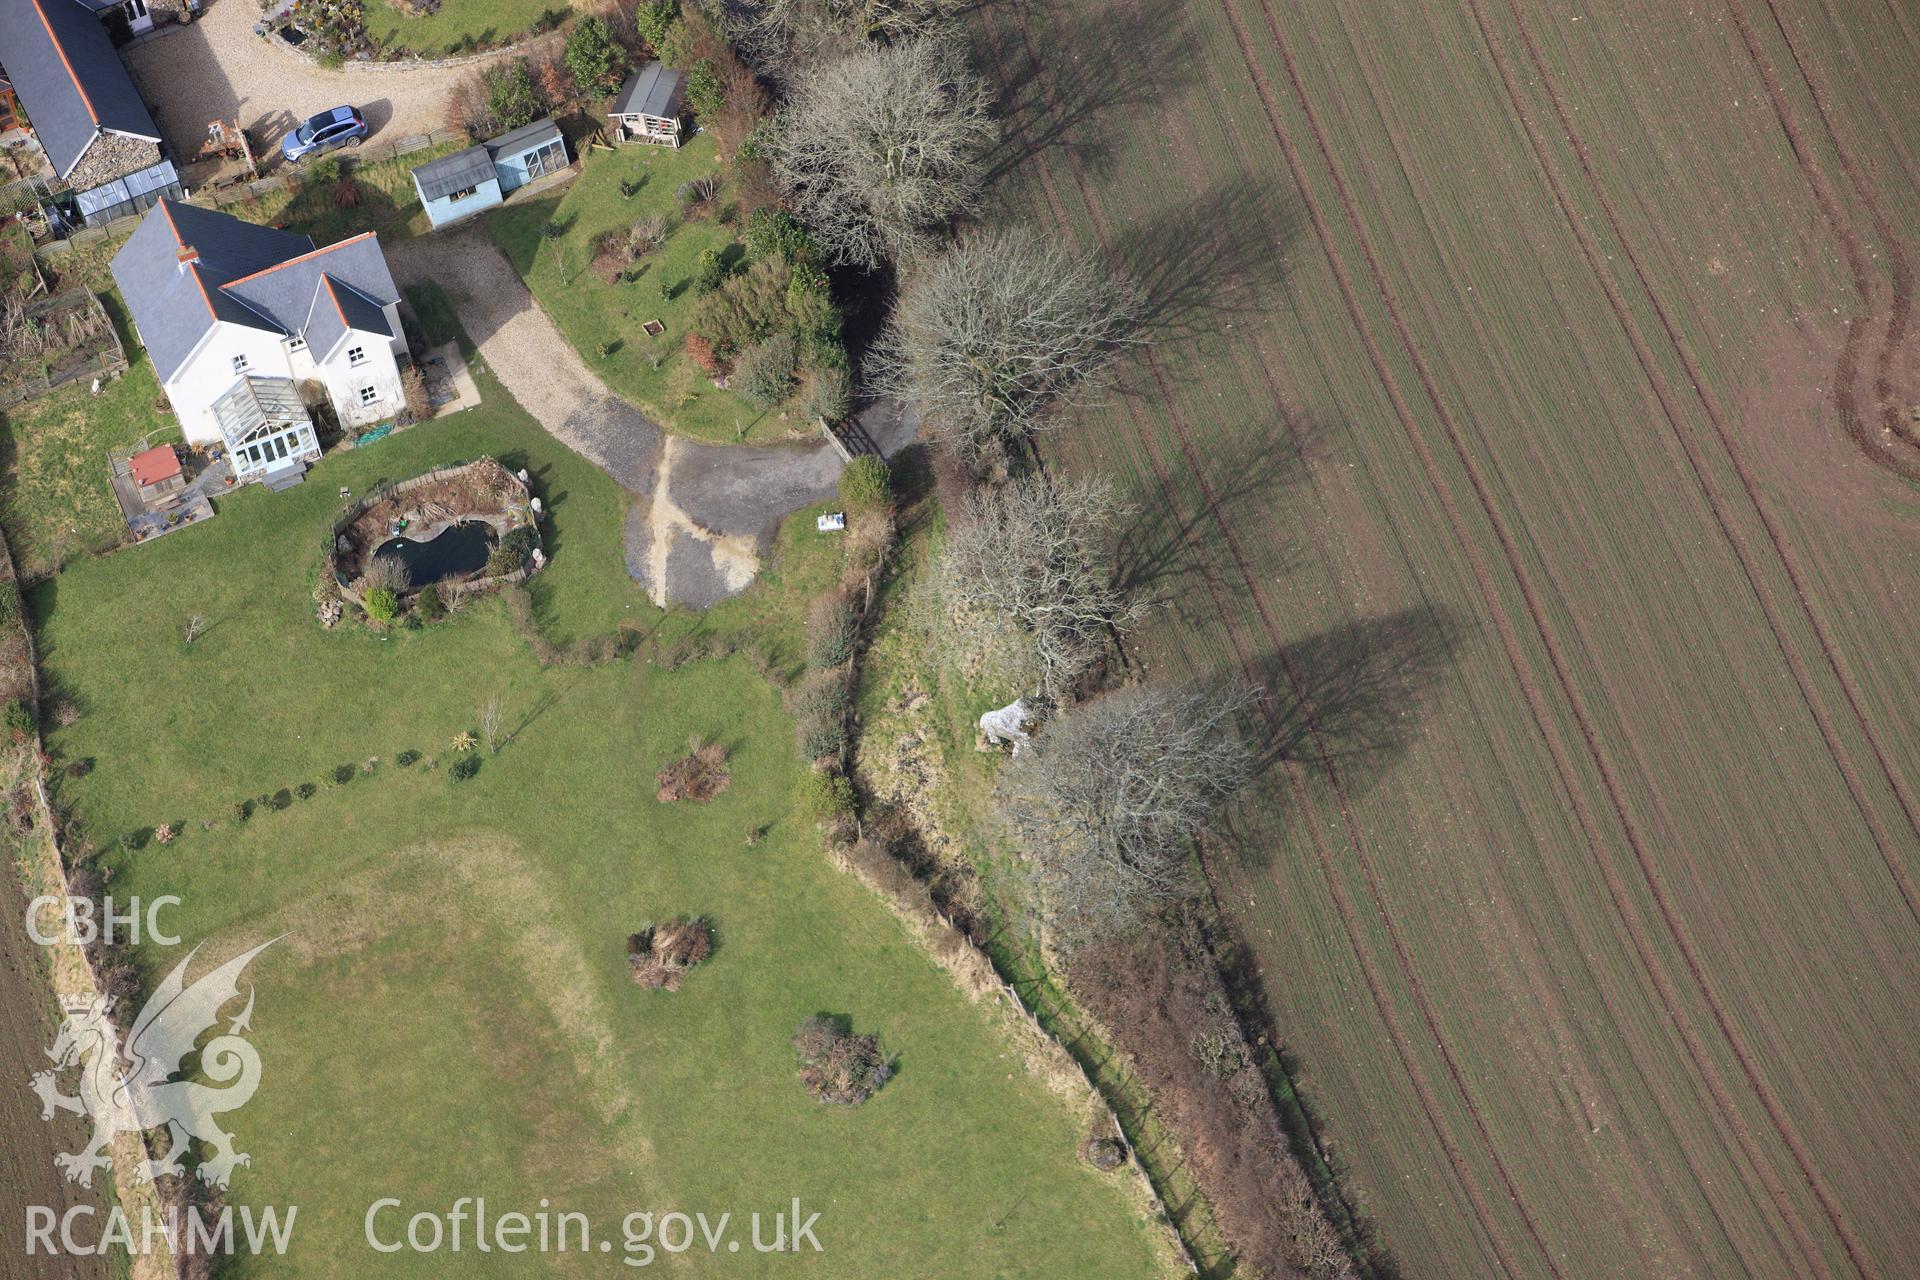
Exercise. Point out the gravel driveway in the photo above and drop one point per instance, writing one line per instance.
(217, 69)
(703, 514)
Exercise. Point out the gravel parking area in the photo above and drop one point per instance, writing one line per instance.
(217, 69)
(703, 514)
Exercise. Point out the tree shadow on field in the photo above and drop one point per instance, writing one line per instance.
(1212, 257)
(1086, 68)
(1344, 702)
(1158, 551)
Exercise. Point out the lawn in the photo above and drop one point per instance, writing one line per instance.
(653, 373)
(388, 202)
(448, 1013)
(458, 26)
(53, 462)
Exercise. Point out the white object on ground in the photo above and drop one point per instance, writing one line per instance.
(832, 522)
(1009, 724)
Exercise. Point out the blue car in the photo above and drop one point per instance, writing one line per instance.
(340, 127)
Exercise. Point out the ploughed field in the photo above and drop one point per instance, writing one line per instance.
(1529, 417)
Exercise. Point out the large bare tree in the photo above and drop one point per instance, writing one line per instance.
(883, 147)
(1038, 552)
(1000, 329)
(1108, 799)
(784, 37)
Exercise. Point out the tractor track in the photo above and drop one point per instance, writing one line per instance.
(1623, 721)
(1350, 918)
(1841, 225)
(1828, 1202)
(1900, 270)
(1576, 704)
(1543, 992)
(1909, 893)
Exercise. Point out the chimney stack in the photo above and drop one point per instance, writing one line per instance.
(188, 255)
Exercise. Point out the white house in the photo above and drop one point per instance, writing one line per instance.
(242, 320)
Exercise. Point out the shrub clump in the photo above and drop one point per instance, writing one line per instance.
(513, 550)
(305, 790)
(824, 796)
(700, 775)
(659, 956)
(463, 768)
(830, 633)
(407, 759)
(19, 719)
(866, 484)
(382, 604)
(764, 373)
(342, 774)
(838, 1066)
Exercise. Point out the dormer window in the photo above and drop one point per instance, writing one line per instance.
(296, 343)
(356, 356)
(239, 364)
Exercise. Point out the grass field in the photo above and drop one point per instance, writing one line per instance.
(1507, 425)
(652, 373)
(457, 26)
(448, 1013)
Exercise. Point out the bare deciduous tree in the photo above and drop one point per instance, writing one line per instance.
(783, 37)
(1000, 329)
(1107, 800)
(490, 723)
(194, 628)
(883, 147)
(1036, 551)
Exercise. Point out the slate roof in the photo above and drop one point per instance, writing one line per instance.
(69, 78)
(337, 308)
(525, 138)
(440, 178)
(244, 274)
(653, 90)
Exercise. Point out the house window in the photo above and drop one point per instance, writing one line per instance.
(296, 343)
(368, 395)
(356, 355)
(239, 364)
(280, 445)
(135, 9)
(462, 195)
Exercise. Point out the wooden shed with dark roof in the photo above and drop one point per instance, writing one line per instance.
(648, 106)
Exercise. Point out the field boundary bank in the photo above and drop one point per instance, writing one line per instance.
(73, 966)
(1429, 1100)
(971, 966)
(978, 974)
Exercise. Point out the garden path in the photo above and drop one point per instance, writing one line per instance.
(702, 514)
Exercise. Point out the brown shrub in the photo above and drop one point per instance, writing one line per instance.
(659, 956)
(836, 1065)
(700, 775)
(701, 352)
(413, 386)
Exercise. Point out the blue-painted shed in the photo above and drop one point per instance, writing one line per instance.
(472, 181)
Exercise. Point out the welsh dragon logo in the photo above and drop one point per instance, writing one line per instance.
(135, 1091)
